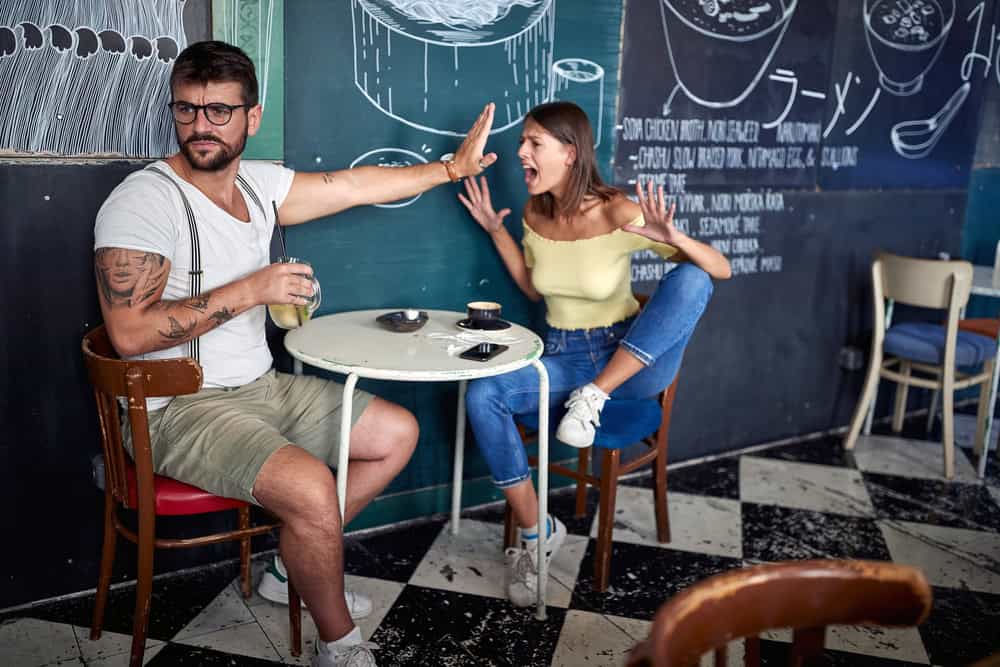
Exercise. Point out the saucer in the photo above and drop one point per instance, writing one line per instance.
(397, 321)
(482, 325)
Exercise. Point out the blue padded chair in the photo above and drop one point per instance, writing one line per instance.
(623, 423)
(949, 359)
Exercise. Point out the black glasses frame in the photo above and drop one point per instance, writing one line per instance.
(204, 109)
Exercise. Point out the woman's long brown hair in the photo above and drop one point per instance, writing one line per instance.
(568, 123)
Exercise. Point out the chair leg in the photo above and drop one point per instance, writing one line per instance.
(932, 411)
(948, 428)
(606, 519)
(867, 397)
(295, 619)
(983, 410)
(509, 527)
(107, 562)
(902, 391)
(660, 495)
(583, 467)
(144, 584)
(244, 523)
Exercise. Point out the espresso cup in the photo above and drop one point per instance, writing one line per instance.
(290, 315)
(482, 311)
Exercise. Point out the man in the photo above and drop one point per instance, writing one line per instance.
(251, 433)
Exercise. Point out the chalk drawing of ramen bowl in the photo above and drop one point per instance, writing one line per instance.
(905, 38)
(433, 64)
(719, 50)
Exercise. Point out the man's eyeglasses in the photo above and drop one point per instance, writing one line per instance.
(217, 113)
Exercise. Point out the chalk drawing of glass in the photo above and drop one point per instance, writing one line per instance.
(581, 82)
(905, 39)
(389, 158)
(915, 139)
(433, 64)
(719, 49)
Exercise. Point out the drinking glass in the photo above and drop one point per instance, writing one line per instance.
(290, 315)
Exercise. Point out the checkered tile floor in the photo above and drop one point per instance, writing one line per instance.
(439, 598)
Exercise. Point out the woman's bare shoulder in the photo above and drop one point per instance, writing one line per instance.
(621, 210)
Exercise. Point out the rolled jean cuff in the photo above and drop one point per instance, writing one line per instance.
(513, 481)
(643, 357)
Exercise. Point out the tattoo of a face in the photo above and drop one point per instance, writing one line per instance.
(128, 277)
(198, 303)
(178, 332)
(328, 177)
(222, 316)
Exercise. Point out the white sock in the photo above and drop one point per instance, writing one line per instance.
(529, 536)
(352, 638)
(592, 388)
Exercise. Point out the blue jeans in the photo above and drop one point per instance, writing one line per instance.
(656, 336)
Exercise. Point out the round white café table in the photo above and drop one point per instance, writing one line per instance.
(354, 344)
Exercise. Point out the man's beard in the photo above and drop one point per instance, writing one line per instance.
(220, 160)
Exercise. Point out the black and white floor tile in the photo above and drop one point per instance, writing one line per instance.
(439, 597)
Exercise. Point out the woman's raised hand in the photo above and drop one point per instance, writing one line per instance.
(479, 205)
(658, 218)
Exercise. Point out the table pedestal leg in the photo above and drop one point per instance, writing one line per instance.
(344, 454)
(297, 366)
(543, 482)
(456, 476)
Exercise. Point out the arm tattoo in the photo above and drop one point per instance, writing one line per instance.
(177, 331)
(198, 303)
(129, 277)
(222, 316)
(328, 177)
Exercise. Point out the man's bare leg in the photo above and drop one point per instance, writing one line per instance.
(301, 491)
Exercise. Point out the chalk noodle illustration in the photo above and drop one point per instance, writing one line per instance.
(422, 62)
(719, 49)
(905, 38)
(88, 78)
(391, 157)
(915, 139)
(581, 82)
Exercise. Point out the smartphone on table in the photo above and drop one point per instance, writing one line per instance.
(483, 351)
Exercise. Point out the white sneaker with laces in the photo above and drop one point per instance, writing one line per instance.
(522, 566)
(273, 586)
(577, 428)
(359, 655)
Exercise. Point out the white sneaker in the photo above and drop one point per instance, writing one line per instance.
(577, 428)
(522, 566)
(359, 655)
(273, 586)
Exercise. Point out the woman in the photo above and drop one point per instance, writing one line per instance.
(579, 235)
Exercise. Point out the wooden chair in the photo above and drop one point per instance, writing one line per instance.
(134, 486)
(622, 423)
(899, 350)
(805, 596)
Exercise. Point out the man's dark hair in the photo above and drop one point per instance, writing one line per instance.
(213, 62)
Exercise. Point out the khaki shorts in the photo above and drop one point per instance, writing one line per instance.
(219, 439)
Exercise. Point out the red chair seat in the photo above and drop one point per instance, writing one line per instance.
(177, 498)
(988, 327)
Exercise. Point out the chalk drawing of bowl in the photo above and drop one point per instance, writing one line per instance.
(905, 38)
(433, 64)
(719, 51)
(390, 158)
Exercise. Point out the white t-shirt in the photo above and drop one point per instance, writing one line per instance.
(146, 213)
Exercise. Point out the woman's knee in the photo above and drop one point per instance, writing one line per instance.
(689, 282)
(484, 395)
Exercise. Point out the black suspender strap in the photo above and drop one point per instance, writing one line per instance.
(194, 271)
(253, 195)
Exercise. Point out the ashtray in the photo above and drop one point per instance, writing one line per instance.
(402, 321)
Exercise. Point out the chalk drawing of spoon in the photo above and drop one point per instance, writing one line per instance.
(914, 139)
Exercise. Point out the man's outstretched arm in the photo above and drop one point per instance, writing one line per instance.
(319, 194)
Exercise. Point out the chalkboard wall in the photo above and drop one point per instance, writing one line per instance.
(763, 363)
